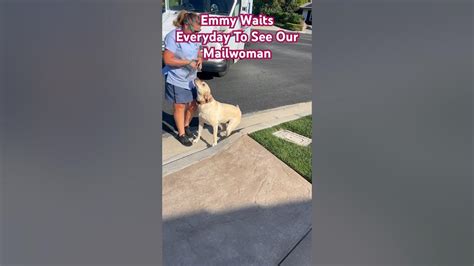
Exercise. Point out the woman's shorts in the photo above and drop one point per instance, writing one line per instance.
(175, 94)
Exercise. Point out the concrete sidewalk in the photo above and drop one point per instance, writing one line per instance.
(241, 206)
(177, 156)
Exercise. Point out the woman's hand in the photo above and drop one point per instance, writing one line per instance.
(193, 64)
(199, 63)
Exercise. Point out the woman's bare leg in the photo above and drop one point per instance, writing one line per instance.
(179, 110)
(189, 113)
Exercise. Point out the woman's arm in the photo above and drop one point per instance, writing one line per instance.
(171, 60)
(199, 63)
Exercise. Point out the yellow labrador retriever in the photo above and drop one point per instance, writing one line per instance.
(214, 113)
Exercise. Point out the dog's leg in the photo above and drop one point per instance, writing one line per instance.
(233, 123)
(201, 125)
(222, 128)
(214, 132)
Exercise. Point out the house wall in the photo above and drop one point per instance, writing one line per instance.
(305, 14)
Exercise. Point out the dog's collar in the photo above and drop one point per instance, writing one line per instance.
(204, 102)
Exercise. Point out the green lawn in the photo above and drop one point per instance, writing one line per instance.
(295, 156)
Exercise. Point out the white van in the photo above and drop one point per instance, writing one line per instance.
(213, 8)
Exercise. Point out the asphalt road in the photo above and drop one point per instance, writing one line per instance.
(262, 84)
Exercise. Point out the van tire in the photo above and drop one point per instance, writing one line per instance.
(223, 73)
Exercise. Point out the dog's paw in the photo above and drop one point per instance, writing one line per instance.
(195, 140)
(214, 144)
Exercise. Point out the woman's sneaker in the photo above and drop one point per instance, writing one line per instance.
(184, 140)
(188, 132)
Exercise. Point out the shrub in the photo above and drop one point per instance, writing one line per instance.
(266, 7)
(281, 10)
(293, 26)
(294, 18)
(285, 17)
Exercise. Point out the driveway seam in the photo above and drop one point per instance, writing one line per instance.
(295, 246)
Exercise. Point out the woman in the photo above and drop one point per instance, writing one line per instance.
(182, 61)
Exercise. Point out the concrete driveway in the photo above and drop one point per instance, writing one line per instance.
(242, 206)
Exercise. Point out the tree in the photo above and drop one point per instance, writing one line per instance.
(290, 5)
(302, 2)
(267, 6)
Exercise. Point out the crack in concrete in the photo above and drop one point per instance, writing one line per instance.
(294, 247)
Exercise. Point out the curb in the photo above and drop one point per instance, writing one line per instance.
(278, 115)
(261, 112)
(197, 156)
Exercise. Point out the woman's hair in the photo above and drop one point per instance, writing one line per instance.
(185, 17)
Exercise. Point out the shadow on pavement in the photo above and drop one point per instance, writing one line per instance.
(248, 236)
(169, 126)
